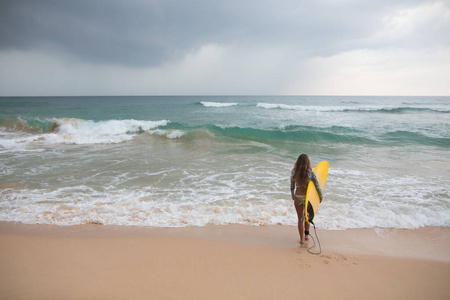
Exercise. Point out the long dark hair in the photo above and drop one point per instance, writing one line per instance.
(302, 168)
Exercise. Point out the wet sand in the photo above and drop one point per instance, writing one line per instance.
(221, 262)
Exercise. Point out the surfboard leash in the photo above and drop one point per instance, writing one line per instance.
(314, 245)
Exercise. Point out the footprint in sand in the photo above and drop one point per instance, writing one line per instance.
(343, 260)
(302, 264)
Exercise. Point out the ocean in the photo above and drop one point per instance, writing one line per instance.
(177, 161)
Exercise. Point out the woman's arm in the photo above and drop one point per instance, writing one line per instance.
(292, 184)
(316, 184)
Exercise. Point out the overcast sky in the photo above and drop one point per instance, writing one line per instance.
(229, 47)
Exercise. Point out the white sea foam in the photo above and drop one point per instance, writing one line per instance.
(282, 106)
(300, 107)
(84, 132)
(343, 108)
(217, 104)
(105, 128)
(212, 198)
(316, 108)
(171, 134)
(144, 209)
(20, 142)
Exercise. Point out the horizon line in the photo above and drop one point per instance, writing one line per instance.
(216, 95)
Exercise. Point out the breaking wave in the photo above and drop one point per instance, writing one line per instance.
(358, 108)
(217, 104)
(77, 131)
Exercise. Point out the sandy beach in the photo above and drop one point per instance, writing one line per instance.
(220, 262)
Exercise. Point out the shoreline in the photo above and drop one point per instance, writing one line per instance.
(371, 241)
(220, 262)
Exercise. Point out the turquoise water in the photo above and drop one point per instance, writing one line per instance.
(197, 160)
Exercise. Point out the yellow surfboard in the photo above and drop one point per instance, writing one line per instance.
(312, 197)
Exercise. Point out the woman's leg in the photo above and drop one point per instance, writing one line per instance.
(299, 209)
(307, 225)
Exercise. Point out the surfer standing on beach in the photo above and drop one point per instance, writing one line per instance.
(301, 175)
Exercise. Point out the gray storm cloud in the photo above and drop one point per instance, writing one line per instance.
(280, 44)
(147, 33)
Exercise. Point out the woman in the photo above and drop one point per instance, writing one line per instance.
(301, 175)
